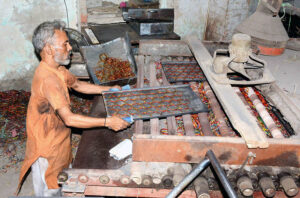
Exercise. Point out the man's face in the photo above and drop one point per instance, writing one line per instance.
(62, 48)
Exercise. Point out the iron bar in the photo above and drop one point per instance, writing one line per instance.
(221, 175)
(190, 177)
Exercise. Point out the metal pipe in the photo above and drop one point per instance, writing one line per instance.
(191, 176)
(221, 175)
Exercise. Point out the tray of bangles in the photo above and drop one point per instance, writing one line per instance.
(110, 63)
(182, 71)
(153, 102)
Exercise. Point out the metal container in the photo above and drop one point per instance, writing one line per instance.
(152, 28)
(117, 48)
(149, 15)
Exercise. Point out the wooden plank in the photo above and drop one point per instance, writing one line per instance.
(219, 114)
(171, 122)
(164, 48)
(133, 192)
(138, 125)
(154, 123)
(236, 111)
(203, 116)
(229, 150)
(187, 120)
(188, 125)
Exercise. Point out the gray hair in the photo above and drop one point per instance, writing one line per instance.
(44, 33)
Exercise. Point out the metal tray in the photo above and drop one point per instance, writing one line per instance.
(153, 102)
(183, 71)
(117, 48)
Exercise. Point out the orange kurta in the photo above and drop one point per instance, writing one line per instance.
(47, 135)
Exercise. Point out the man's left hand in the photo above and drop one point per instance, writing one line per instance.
(116, 87)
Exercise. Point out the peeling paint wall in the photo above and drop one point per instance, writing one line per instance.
(18, 18)
(210, 19)
(190, 16)
(166, 3)
(223, 17)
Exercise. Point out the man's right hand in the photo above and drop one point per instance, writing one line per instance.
(116, 123)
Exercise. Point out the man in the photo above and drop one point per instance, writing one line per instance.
(48, 148)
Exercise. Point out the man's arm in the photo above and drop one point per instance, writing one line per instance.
(80, 121)
(88, 88)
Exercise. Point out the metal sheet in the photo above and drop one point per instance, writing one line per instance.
(152, 28)
(108, 32)
(117, 48)
(154, 102)
(183, 71)
(150, 14)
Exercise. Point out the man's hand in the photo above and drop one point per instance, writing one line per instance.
(115, 87)
(116, 123)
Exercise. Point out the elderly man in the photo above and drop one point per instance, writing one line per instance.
(48, 148)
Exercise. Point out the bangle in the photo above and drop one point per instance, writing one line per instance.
(105, 122)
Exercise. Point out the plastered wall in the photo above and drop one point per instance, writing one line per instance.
(209, 19)
(18, 18)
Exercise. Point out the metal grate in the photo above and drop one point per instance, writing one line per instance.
(183, 71)
(154, 102)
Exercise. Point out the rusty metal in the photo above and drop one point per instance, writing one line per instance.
(146, 103)
(266, 184)
(201, 187)
(289, 186)
(244, 184)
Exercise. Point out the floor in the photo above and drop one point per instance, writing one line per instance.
(285, 69)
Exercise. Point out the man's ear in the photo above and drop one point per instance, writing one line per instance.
(48, 49)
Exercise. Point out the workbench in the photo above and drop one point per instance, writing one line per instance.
(93, 163)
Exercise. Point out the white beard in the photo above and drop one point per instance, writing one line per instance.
(61, 61)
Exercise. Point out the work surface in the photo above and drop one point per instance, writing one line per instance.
(93, 150)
